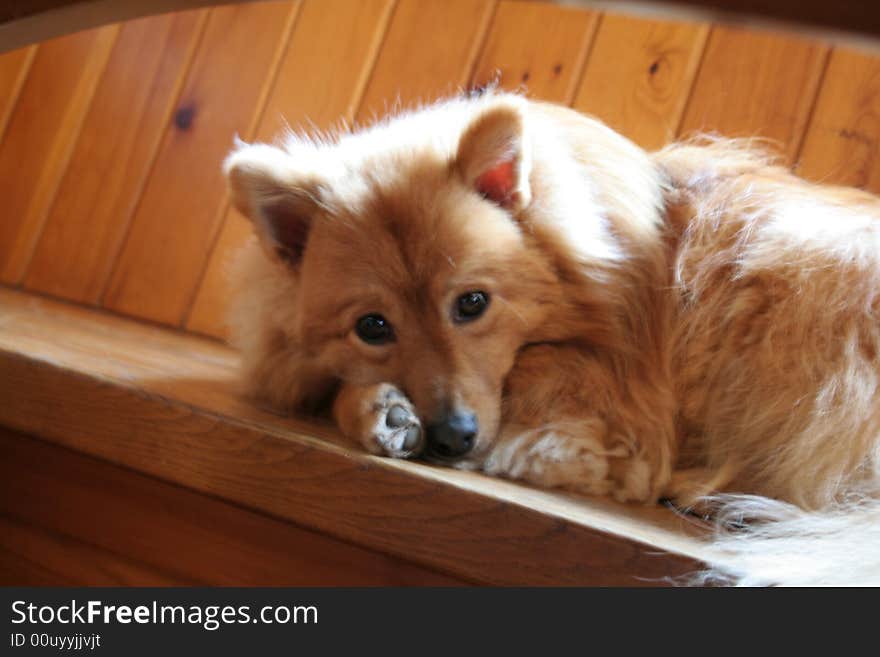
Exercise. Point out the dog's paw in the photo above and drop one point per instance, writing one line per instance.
(573, 457)
(382, 419)
(396, 429)
(552, 460)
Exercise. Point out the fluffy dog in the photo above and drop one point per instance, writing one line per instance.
(510, 286)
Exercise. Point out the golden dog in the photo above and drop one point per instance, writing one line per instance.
(510, 286)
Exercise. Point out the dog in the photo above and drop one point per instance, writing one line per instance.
(509, 286)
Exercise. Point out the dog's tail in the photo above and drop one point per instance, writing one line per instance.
(764, 542)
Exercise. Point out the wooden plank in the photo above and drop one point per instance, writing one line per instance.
(179, 212)
(639, 76)
(166, 404)
(320, 82)
(34, 556)
(841, 145)
(40, 136)
(188, 537)
(429, 51)
(14, 68)
(756, 84)
(113, 154)
(537, 47)
(208, 314)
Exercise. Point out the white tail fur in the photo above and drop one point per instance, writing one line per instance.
(761, 542)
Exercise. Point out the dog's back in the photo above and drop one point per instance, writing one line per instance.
(775, 353)
(777, 336)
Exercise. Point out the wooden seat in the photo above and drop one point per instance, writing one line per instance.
(110, 149)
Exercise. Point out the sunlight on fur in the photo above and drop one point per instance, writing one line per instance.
(509, 286)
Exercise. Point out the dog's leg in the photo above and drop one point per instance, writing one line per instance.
(688, 486)
(381, 418)
(569, 423)
(574, 455)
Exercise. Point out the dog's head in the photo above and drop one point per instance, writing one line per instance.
(410, 263)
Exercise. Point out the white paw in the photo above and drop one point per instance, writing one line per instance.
(551, 459)
(393, 427)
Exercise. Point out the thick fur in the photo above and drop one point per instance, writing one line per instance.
(679, 324)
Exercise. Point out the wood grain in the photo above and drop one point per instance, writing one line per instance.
(35, 556)
(179, 211)
(319, 84)
(639, 76)
(14, 68)
(113, 154)
(40, 136)
(538, 47)
(166, 405)
(842, 142)
(428, 52)
(168, 531)
(756, 84)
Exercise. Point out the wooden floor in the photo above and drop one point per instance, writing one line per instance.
(111, 139)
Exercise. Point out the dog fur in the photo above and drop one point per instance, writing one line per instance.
(695, 324)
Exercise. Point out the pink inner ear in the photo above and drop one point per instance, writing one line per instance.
(498, 183)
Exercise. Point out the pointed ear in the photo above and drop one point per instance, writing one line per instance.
(494, 157)
(280, 200)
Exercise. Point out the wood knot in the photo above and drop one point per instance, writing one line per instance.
(184, 116)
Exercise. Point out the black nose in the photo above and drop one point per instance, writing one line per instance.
(453, 435)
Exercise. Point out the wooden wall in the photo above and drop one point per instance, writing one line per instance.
(111, 139)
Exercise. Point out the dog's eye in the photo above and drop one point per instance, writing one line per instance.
(470, 305)
(374, 329)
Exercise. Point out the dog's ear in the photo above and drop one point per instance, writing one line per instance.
(279, 199)
(494, 157)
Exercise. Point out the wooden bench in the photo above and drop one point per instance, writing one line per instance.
(128, 455)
